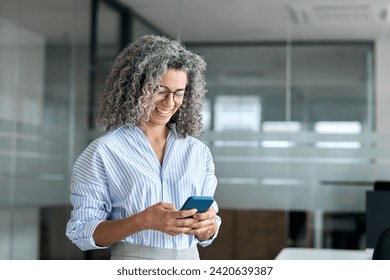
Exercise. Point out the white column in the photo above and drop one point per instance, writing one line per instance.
(318, 228)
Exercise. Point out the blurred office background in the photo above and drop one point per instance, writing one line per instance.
(296, 115)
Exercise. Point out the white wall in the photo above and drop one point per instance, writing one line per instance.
(382, 84)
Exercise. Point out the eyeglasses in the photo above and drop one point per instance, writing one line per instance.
(163, 93)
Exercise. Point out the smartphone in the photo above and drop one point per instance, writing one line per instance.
(201, 203)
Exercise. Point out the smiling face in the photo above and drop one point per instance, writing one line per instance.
(172, 81)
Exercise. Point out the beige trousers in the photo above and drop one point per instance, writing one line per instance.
(127, 251)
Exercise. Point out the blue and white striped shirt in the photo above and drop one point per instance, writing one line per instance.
(119, 175)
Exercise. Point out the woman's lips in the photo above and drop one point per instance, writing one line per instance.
(165, 112)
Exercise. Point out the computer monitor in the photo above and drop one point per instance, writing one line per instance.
(377, 215)
(382, 186)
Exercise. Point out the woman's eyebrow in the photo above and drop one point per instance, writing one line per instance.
(170, 89)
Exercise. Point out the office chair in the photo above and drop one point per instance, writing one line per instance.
(382, 247)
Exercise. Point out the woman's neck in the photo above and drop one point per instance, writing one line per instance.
(155, 132)
(157, 136)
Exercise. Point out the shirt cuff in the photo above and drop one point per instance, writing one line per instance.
(87, 242)
(207, 242)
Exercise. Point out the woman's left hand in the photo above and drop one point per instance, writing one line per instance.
(206, 226)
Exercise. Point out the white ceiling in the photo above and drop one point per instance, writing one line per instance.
(255, 20)
(217, 20)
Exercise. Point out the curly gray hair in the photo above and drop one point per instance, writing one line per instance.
(130, 91)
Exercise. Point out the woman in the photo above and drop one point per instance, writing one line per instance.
(128, 184)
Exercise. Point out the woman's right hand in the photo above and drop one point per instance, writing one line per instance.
(165, 218)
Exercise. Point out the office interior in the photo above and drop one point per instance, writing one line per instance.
(296, 115)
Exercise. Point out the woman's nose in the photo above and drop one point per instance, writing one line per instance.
(170, 100)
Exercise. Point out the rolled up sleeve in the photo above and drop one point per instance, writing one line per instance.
(88, 211)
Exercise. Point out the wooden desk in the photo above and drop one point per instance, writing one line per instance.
(323, 254)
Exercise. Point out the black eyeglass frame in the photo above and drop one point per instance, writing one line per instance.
(163, 90)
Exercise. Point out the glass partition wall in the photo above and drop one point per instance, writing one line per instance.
(54, 58)
(43, 71)
(297, 123)
(295, 138)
